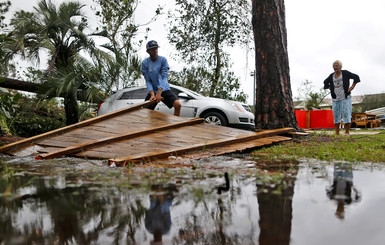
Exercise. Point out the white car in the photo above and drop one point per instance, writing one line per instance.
(214, 110)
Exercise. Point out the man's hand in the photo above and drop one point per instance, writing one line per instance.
(158, 97)
(153, 97)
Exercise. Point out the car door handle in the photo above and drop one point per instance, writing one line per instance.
(128, 103)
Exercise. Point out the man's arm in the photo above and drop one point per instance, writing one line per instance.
(147, 76)
(158, 95)
(163, 74)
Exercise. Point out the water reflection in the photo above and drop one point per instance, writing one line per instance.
(210, 213)
(227, 184)
(158, 217)
(40, 211)
(342, 190)
(275, 205)
(262, 203)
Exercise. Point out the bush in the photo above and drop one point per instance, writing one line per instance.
(8, 103)
(35, 116)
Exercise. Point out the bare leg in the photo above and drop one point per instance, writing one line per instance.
(347, 127)
(337, 126)
(177, 106)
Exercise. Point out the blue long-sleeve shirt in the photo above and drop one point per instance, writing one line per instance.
(156, 73)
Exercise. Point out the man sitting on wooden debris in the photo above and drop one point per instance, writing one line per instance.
(155, 70)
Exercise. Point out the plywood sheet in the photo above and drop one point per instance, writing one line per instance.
(135, 134)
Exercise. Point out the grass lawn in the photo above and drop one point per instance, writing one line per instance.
(326, 146)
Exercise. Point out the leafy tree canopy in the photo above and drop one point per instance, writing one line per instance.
(201, 31)
(59, 31)
(118, 26)
(4, 8)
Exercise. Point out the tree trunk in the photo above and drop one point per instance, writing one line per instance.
(274, 103)
(33, 88)
(71, 109)
(275, 210)
(20, 85)
(218, 64)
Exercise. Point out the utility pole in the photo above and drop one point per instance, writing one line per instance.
(252, 74)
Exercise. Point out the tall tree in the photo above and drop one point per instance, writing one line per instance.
(4, 8)
(6, 66)
(59, 31)
(118, 26)
(201, 30)
(274, 103)
(193, 78)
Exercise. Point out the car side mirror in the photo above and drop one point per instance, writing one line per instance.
(184, 96)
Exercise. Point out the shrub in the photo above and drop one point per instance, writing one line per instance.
(35, 116)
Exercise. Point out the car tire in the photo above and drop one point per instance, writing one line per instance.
(215, 118)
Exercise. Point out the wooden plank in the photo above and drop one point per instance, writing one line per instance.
(180, 150)
(215, 151)
(299, 133)
(91, 154)
(206, 132)
(164, 140)
(95, 143)
(160, 141)
(30, 140)
(129, 145)
(60, 143)
(48, 149)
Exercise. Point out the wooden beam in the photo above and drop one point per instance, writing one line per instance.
(177, 151)
(109, 140)
(27, 141)
(299, 133)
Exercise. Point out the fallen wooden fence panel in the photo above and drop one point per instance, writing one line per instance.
(135, 134)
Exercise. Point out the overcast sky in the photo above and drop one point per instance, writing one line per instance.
(319, 32)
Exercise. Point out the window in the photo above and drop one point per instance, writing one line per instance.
(126, 95)
(139, 94)
(134, 94)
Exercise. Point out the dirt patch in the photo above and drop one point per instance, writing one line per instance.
(314, 139)
(342, 131)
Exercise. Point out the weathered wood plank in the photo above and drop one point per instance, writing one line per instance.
(90, 144)
(215, 151)
(30, 140)
(160, 141)
(145, 135)
(180, 150)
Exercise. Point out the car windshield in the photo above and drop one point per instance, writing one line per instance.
(190, 91)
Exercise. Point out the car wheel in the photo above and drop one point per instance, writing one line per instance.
(215, 118)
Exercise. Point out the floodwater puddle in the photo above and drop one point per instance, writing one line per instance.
(219, 200)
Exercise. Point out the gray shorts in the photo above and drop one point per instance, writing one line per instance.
(168, 99)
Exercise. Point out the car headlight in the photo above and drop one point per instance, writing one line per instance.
(236, 106)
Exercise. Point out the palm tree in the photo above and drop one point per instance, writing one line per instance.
(80, 79)
(60, 32)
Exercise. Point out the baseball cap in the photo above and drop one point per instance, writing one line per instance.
(152, 44)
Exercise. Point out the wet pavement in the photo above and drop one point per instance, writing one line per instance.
(219, 200)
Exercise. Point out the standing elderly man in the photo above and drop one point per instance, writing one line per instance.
(340, 89)
(155, 70)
